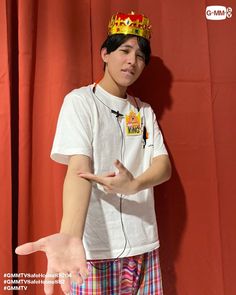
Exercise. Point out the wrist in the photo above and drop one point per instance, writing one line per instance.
(71, 231)
(136, 186)
(71, 235)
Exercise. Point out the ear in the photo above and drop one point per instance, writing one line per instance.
(104, 55)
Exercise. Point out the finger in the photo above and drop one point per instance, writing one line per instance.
(87, 175)
(92, 177)
(84, 276)
(120, 166)
(76, 277)
(49, 282)
(29, 248)
(109, 174)
(84, 271)
(65, 281)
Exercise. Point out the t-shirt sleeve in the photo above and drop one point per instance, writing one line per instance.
(158, 141)
(73, 132)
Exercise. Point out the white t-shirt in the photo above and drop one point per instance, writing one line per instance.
(87, 126)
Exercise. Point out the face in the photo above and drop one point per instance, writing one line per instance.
(125, 64)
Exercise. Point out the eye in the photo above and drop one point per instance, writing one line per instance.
(125, 50)
(141, 56)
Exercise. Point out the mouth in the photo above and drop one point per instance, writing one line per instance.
(128, 71)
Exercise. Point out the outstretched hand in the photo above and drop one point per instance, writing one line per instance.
(66, 260)
(123, 182)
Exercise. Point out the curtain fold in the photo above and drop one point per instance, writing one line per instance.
(54, 58)
(6, 264)
(48, 48)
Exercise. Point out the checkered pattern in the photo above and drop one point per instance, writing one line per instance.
(136, 275)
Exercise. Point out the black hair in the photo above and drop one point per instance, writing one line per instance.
(114, 41)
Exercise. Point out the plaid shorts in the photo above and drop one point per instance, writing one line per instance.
(135, 275)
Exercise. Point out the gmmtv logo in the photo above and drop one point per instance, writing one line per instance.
(218, 12)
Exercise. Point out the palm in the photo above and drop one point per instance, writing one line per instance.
(65, 255)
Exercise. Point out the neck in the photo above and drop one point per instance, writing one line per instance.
(113, 88)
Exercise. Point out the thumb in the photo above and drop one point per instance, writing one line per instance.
(29, 248)
(120, 166)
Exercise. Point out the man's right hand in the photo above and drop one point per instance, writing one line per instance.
(66, 257)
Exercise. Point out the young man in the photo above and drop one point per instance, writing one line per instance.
(102, 128)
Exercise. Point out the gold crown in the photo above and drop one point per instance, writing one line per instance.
(131, 23)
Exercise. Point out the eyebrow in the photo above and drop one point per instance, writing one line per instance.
(126, 45)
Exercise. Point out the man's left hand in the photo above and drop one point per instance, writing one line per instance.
(121, 183)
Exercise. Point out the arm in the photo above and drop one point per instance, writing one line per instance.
(76, 195)
(65, 252)
(124, 183)
(157, 173)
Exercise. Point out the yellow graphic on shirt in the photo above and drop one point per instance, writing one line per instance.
(133, 124)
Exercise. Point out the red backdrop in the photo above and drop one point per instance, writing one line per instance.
(48, 48)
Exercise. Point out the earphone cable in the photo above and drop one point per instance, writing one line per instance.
(121, 196)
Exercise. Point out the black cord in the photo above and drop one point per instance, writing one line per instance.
(118, 114)
(111, 261)
(121, 196)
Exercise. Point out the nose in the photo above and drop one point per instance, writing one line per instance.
(132, 59)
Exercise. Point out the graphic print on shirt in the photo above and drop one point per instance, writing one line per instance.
(133, 124)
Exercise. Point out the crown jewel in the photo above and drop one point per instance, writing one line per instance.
(131, 23)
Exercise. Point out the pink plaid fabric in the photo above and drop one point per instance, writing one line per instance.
(139, 275)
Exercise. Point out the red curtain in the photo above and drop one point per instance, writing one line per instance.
(5, 148)
(48, 48)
